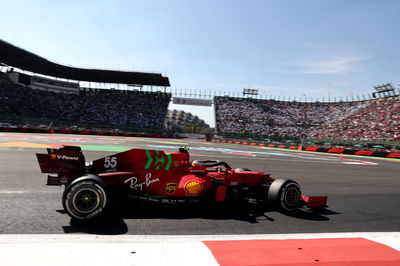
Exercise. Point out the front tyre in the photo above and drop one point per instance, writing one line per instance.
(284, 194)
(84, 200)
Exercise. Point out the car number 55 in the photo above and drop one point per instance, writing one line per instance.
(110, 162)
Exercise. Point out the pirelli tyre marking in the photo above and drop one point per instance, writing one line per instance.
(285, 194)
(85, 200)
(290, 197)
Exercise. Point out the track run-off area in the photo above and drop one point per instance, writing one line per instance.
(363, 193)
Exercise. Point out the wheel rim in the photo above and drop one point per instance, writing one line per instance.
(292, 196)
(86, 200)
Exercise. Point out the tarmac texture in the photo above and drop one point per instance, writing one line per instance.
(363, 193)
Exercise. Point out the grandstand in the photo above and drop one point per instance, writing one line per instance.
(376, 119)
(105, 109)
(35, 91)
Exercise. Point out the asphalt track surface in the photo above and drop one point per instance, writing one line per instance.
(363, 193)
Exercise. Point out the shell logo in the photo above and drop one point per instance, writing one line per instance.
(193, 188)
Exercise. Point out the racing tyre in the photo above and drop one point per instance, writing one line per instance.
(284, 194)
(84, 199)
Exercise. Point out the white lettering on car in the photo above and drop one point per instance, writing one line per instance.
(133, 182)
(64, 157)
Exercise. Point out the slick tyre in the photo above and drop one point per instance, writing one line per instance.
(84, 199)
(284, 195)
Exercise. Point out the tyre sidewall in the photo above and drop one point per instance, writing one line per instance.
(285, 195)
(290, 196)
(70, 195)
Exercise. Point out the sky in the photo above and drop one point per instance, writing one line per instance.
(309, 49)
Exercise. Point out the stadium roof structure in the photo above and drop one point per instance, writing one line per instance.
(16, 57)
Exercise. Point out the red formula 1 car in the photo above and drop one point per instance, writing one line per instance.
(166, 178)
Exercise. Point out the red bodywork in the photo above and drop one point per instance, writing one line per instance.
(153, 172)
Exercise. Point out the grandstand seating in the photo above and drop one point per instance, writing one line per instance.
(376, 119)
(106, 109)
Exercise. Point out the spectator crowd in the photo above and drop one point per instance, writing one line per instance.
(376, 119)
(379, 120)
(101, 108)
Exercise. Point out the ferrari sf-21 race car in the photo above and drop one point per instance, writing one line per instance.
(165, 178)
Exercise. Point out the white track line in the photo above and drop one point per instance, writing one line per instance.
(20, 192)
(82, 238)
(12, 192)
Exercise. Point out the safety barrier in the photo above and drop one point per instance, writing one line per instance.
(393, 155)
(335, 150)
(316, 149)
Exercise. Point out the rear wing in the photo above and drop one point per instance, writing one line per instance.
(66, 160)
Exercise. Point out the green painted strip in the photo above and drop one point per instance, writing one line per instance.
(169, 162)
(149, 140)
(149, 159)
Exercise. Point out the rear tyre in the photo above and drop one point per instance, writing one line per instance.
(84, 200)
(284, 195)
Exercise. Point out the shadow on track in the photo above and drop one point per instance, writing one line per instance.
(252, 213)
(107, 225)
(312, 215)
(113, 223)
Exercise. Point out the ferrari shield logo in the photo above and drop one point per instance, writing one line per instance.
(171, 188)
